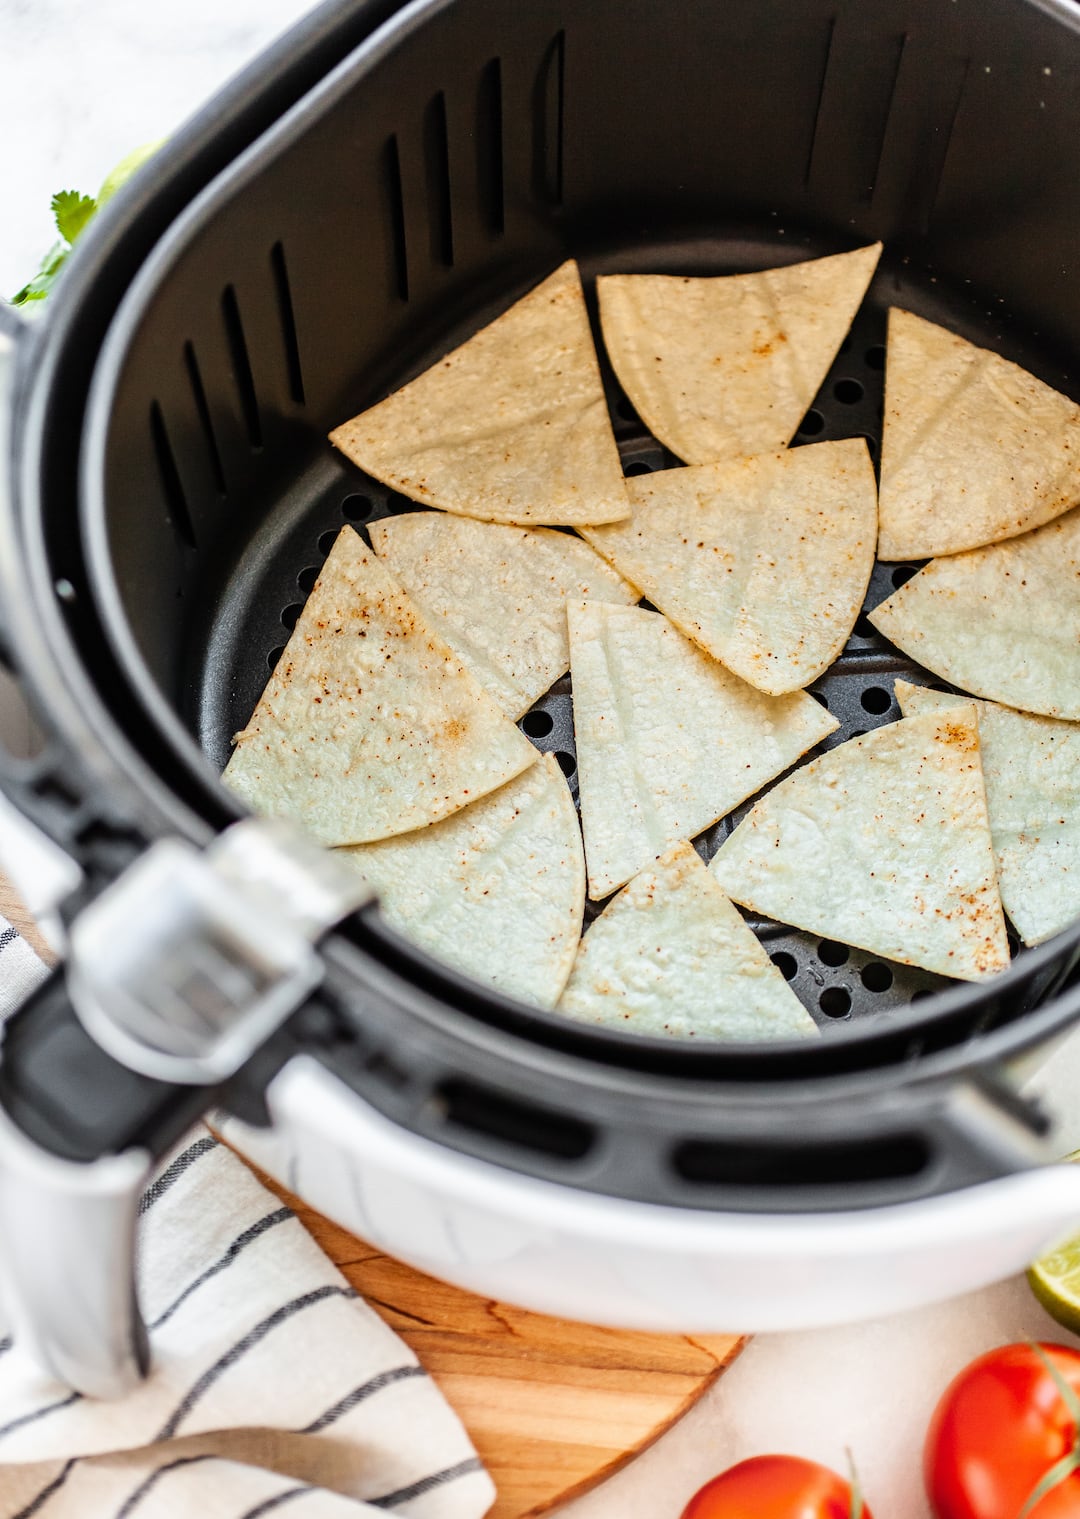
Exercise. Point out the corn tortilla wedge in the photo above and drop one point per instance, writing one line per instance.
(668, 741)
(497, 890)
(727, 365)
(497, 594)
(974, 449)
(763, 561)
(883, 843)
(671, 956)
(1002, 622)
(512, 426)
(370, 725)
(1031, 766)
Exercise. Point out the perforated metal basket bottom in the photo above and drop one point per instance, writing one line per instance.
(833, 981)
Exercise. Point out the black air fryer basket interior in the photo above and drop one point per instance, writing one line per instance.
(430, 177)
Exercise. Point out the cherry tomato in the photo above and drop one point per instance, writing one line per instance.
(998, 1429)
(774, 1487)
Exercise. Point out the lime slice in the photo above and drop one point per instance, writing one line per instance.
(1055, 1280)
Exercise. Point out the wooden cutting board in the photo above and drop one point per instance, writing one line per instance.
(552, 1407)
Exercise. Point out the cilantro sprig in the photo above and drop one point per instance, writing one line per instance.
(72, 213)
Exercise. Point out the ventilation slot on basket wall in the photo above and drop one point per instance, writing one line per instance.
(437, 177)
(483, 1111)
(241, 366)
(489, 146)
(548, 118)
(396, 211)
(293, 370)
(830, 32)
(202, 411)
(171, 485)
(810, 1163)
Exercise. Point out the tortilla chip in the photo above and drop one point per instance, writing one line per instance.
(882, 843)
(668, 741)
(1002, 622)
(726, 366)
(497, 890)
(670, 955)
(497, 594)
(370, 725)
(512, 426)
(974, 448)
(1031, 766)
(764, 562)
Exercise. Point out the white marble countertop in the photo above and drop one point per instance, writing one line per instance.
(80, 85)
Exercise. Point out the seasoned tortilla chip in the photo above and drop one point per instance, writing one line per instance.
(497, 594)
(512, 426)
(1002, 622)
(728, 365)
(670, 955)
(497, 890)
(370, 725)
(764, 562)
(668, 741)
(882, 843)
(1031, 766)
(974, 448)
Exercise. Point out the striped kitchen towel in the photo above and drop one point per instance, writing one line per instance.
(273, 1385)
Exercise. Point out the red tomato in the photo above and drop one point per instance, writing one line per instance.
(774, 1487)
(998, 1429)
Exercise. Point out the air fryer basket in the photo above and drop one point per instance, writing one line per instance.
(399, 199)
(413, 196)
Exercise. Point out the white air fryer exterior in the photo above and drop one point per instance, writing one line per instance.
(634, 1265)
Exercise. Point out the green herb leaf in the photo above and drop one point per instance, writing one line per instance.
(38, 288)
(72, 212)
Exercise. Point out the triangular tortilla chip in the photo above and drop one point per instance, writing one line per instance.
(370, 725)
(882, 843)
(1031, 766)
(1002, 622)
(668, 741)
(497, 890)
(670, 955)
(974, 448)
(728, 365)
(512, 426)
(764, 562)
(497, 594)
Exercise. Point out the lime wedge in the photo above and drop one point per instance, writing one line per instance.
(1055, 1280)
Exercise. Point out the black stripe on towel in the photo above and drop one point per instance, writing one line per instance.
(37, 1504)
(39, 1413)
(359, 1395)
(250, 1340)
(136, 1496)
(173, 1172)
(6, 1344)
(240, 1243)
(8, 937)
(426, 1484)
(279, 1500)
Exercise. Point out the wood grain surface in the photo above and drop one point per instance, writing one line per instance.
(11, 907)
(553, 1407)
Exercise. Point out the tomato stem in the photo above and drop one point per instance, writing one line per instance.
(1062, 1470)
(856, 1509)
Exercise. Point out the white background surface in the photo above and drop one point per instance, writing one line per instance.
(81, 83)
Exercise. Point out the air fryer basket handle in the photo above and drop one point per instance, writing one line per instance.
(68, 1262)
